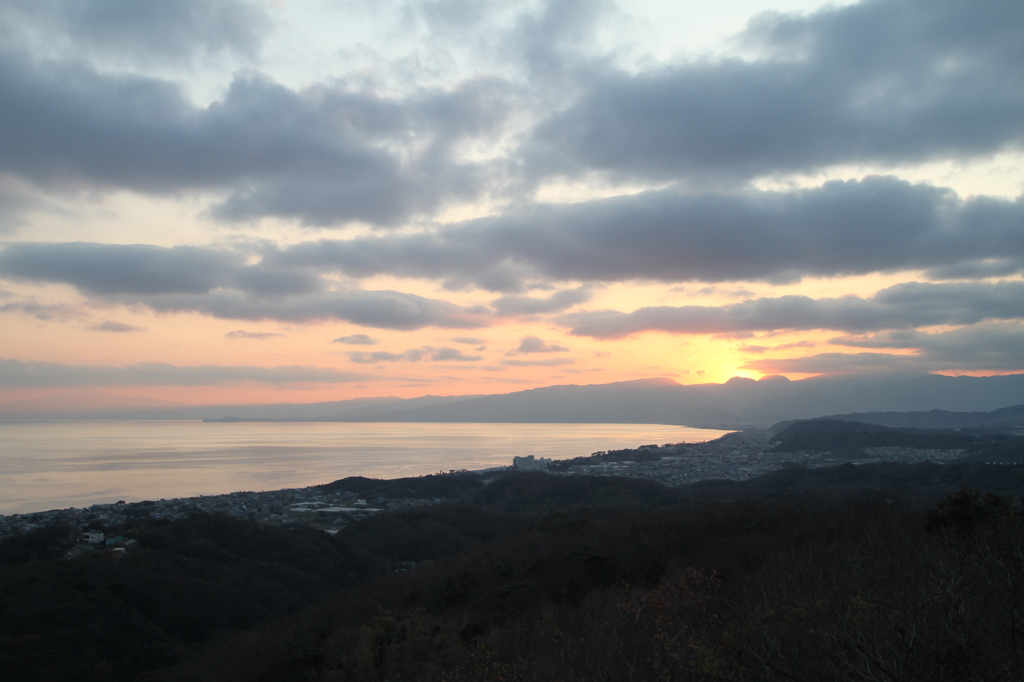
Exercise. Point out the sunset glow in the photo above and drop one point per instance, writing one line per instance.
(451, 198)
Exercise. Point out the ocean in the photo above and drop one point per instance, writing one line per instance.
(54, 465)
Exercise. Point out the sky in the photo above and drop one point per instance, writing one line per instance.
(229, 201)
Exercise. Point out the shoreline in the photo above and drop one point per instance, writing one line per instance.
(737, 456)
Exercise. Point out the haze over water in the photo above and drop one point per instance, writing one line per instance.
(54, 465)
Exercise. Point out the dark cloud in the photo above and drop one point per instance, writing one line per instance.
(325, 156)
(840, 363)
(872, 82)
(424, 354)
(902, 306)
(982, 347)
(111, 326)
(380, 309)
(258, 336)
(356, 340)
(25, 374)
(446, 354)
(219, 283)
(144, 32)
(992, 346)
(878, 224)
(526, 305)
(533, 344)
(137, 269)
(42, 311)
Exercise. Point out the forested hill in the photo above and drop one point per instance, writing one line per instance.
(538, 577)
(1007, 417)
(832, 434)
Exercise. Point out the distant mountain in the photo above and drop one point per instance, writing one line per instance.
(325, 411)
(823, 435)
(643, 401)
(350, 410)
(736, 403)
(63, 403)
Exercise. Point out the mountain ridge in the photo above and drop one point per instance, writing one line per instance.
(737, 403)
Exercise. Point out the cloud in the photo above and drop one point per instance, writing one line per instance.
(878, 224)
(326, 155)
(424, 354)
(749, 348)
(468, 340)
(532, 344)
(526, 305)
(549, 362)
(16, 200)
(375, 357)
(874, 82)
(139, 269)
(380, 309)
(356, 340)
(902, 306)
(146, 33)
(840, 228)
(258, 336)
(992, 346)
(446, 354)
(110, 326)
(219, 283)
(983, 347)
(733, 292)
(839, 363)
(556, 43)
(42, 311)
(26, 374)
(871, 82)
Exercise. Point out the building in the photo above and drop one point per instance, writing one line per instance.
(529, 462)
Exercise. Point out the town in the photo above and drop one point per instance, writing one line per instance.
(737, 456)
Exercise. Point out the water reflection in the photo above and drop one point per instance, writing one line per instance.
(61, 464)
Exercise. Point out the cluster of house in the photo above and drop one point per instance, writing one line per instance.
(100, 527)
(97, 541)
(736, 457)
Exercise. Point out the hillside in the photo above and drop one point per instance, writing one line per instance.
(1007, 417)
(520, 559)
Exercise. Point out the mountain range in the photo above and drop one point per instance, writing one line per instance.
(737, 403)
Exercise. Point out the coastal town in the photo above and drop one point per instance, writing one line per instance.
(737, 456)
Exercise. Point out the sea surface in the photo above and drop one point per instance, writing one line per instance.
(55, 465)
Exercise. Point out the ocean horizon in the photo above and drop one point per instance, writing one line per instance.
(61, 464)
